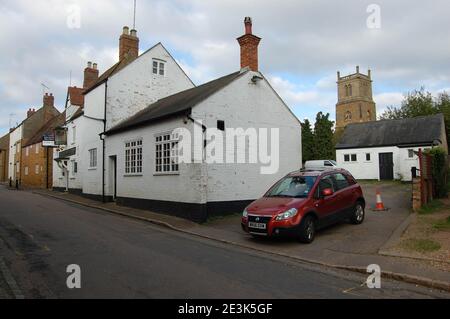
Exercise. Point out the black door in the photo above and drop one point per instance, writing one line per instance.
(386, 166)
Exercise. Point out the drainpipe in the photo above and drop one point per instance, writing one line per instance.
(102, 137)
(46, 166)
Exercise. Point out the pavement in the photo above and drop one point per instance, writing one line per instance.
(121, 257)
(342, 246)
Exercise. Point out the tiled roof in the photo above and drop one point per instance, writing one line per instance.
(111, 71)
(47, 128)
(76, 96)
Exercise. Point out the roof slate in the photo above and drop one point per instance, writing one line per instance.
(421, 130)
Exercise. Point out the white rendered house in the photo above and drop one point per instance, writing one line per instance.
(386, 150)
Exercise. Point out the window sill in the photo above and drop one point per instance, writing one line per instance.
(92, 168)
(133, 175)
(166, 174)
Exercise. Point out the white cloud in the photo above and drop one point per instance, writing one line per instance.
(310, 39)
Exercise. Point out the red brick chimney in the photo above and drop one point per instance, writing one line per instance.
(49, 100)
(128, 44)
(90, 75)
(249, 47)
(30, 112)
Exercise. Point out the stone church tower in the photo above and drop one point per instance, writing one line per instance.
(355, 102)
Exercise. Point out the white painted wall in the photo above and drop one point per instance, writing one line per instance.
(363, 169)
(14, 137)
(130, 90)
(135, 87)
(188, 186)
(243, 104)
(75, 180)
(70, 111)
(240, 105)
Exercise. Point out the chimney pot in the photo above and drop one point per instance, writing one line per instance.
(90, 75)
(128, 45)
(249, 47)
(248, 25)
(126, 30)
(49, 100)
(357, 69)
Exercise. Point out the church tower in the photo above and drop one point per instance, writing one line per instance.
(355, 102)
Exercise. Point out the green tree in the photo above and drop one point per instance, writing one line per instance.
(323, 137)
(307, 141)
(415, 103)
(443, 106)
(420, 103)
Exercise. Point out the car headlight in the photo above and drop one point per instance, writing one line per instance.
(287, 214)
(245, 213)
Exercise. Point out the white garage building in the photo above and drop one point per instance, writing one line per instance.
(385, 150)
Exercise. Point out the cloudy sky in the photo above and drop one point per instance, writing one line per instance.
(304, 43)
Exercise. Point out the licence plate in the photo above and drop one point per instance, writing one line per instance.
(257, 225)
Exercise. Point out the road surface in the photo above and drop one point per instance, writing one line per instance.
(125, 258)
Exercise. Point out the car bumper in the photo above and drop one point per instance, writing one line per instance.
(273, 229)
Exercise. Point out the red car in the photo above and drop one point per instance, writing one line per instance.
(303, 202)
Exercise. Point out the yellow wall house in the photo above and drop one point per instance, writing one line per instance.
(37, 160)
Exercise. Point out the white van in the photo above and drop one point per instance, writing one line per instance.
(320, 165)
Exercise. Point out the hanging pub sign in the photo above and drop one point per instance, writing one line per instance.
(60, 136)
(48, 140)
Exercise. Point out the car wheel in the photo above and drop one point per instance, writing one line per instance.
(307, 230)
(358, 214)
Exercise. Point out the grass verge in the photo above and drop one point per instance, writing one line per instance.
(443, 225)
(431, 207)
(421, 245)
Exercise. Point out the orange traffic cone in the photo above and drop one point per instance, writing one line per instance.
(379, 207)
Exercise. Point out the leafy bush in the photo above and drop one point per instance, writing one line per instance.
(439, 171)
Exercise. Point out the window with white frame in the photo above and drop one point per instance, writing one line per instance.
(93, 158)
(133, 157)
(26, 170)
(350, 158)
(368, 157)
(166, 158)
(74, 134)
(37, 148)
(159, 67)
(36, 169)
(27, 151)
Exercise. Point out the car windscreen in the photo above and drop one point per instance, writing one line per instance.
(292, 186)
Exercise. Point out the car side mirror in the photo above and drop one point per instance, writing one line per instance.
(327, 192)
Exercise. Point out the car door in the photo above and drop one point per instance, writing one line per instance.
(343, 194)
(325, 206)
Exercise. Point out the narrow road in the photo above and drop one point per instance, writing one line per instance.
(125, 258)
